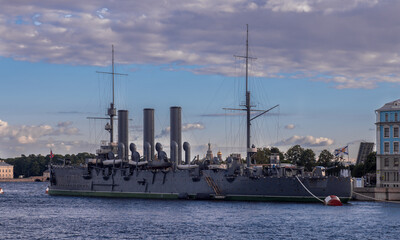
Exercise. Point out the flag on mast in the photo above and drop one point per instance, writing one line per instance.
(343, 150)
(51, 154)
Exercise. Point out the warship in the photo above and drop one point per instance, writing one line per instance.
(116, 173)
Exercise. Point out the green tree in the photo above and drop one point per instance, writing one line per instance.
(262, 156)
(325, 158)
(35, 169)
(358, 170)
(281, 155)
(370, 163)
(301, 157)
(293, 154)
(369, 166)
(307, 159)
(35, 165)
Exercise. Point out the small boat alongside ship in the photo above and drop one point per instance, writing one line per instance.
(156, 176)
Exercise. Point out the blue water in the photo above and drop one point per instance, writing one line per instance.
(26, 212)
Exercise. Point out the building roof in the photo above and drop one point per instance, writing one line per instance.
(4, 164)
(390, 106)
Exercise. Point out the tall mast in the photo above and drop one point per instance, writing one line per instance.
(113, 74)
(112, 112)
(248, 106)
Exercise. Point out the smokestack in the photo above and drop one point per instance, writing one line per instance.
(174, 150)
(186, 147)
(121, 151)
(147, 152)
(148, 131)
(123, 131)
(176, 131)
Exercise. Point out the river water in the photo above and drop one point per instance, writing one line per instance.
(26, 212)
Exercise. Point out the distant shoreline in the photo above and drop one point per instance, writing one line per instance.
(30, 179)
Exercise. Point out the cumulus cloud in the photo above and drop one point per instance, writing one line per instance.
(185, 127)
(307, 141)
(327, 7)
(14, 138)
(289, 5)
(290, 126)
(350, 45)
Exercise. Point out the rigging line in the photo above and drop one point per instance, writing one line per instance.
(218, 90)
(226, 136)
(190, 132)
(309, 190)
(278, 124)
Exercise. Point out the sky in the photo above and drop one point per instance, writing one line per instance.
(328, 64)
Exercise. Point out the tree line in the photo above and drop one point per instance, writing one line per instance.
(307, 158)
(35, 165)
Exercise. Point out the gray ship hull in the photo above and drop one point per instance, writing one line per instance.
(186, 184)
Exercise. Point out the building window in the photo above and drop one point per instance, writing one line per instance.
(396, 162)
(386, 147)
(396, 132)
(386, 117)
(386, 162)
(395, 117)
(386, 132)
(395, 147)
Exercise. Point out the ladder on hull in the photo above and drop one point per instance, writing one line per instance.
(213, 186)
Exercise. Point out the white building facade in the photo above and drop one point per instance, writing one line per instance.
(387, 145)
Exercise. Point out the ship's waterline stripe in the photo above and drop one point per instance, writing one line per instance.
(193, 196)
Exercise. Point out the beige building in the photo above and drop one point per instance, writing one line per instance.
(6, 170)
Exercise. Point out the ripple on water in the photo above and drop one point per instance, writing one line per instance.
(28, 213)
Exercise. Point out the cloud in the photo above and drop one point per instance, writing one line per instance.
(21, 135)
(3, 125)
(35, 21)
(192, 126)
(38, 139)
(64, 124)
(101, 13)
(290, 126)
(306, 6)
(64, 128)
(76, 146)
(345, 45)
(185, 127)
(308, 141)
(288, 6)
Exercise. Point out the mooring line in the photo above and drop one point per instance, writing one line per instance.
(309, 190)
(375, 199)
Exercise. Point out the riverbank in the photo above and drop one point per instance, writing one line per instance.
(29, 179)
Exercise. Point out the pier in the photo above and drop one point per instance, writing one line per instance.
(376, 194)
